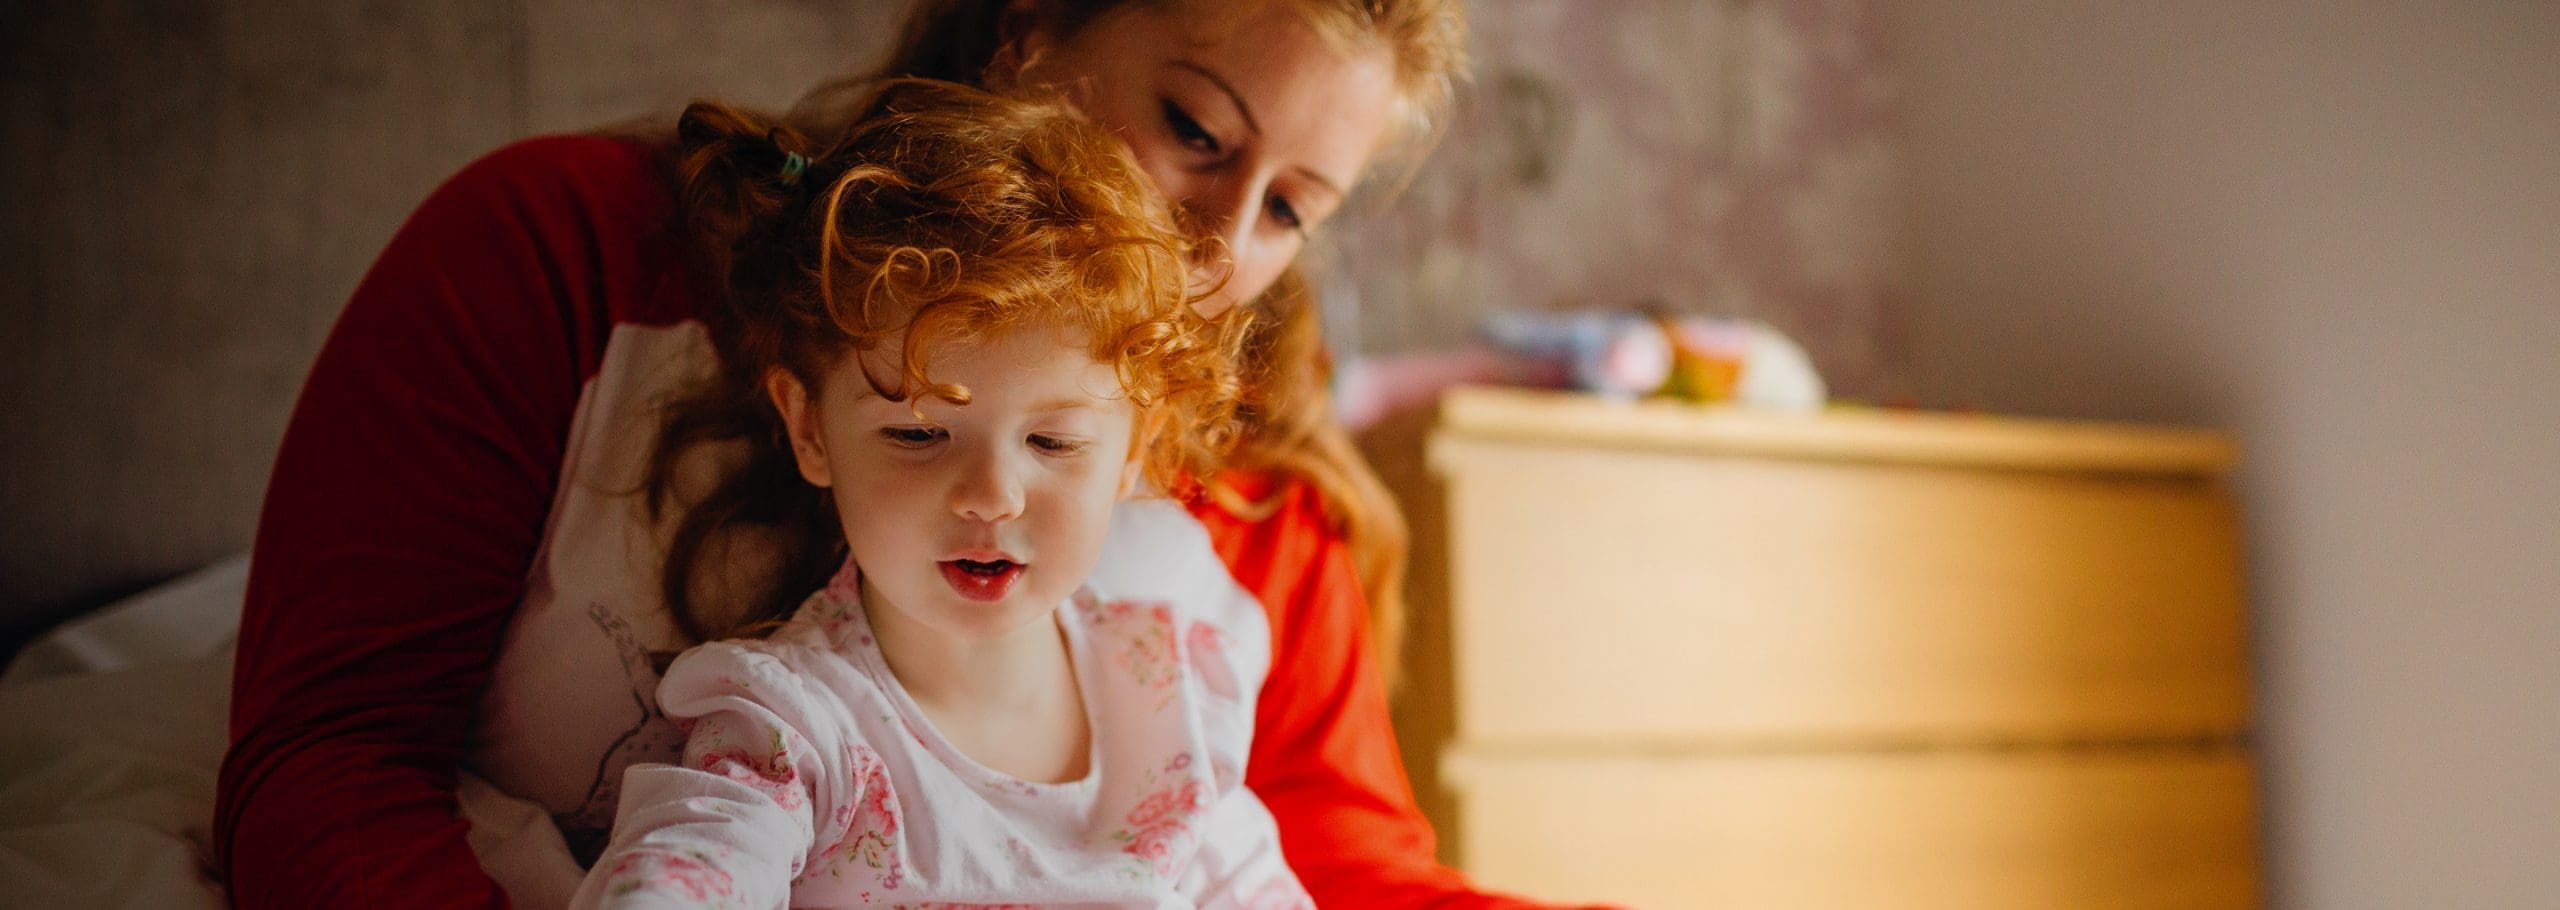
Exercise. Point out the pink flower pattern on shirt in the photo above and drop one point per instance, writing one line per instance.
(1149, 645)
(871, 835)
(1205, 647)
(697, 878)
(1159, 833)
(1157, 828)
(771, 774)
(1205, 641)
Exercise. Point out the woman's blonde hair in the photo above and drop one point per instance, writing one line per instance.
(941, 213)
(1288, 419)
(958, 40)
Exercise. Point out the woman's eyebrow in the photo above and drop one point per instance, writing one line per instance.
(1320, 180)
(1242, 109)
(1245, 111)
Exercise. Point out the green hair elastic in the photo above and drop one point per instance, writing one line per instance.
(793, 166)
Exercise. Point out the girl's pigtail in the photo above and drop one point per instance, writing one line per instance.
(746, 189)
(741, 173)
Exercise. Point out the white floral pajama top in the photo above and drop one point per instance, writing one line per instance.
(810, 779)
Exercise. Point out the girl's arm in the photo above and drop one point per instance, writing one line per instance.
(408, 500)
(733, 825)
(1324, 753)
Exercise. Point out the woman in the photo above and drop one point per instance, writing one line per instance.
(454, 551)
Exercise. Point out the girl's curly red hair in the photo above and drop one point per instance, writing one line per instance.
(943, 213)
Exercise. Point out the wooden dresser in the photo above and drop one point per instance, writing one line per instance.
(1676, 657)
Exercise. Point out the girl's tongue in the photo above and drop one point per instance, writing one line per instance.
(985, 582)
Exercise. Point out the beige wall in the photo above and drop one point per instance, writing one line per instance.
(2335, 229)
(193, 187)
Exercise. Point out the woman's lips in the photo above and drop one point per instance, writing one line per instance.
(985, 582)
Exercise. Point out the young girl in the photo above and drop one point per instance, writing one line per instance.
(972, 321)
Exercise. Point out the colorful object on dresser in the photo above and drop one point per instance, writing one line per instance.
(1626, 355)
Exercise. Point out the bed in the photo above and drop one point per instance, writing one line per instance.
(113, 733)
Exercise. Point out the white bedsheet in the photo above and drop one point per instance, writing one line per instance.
(112, 730)
(196, 615)
(111, 733)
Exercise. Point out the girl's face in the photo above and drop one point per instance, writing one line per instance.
(1243, 115)
(969, 522)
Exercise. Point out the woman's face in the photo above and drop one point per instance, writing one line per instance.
(1246, 118)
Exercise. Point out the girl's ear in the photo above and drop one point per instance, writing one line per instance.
(800, 424)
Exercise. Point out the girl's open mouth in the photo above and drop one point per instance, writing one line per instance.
(985, 582)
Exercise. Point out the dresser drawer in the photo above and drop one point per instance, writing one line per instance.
(1670, 596)
(1979, 830)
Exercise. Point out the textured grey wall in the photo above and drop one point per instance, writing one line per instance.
(1734, 158)
(195, 186)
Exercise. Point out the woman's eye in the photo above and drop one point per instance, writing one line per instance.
(913, 437)
(1285, 214)
(1056, 445)
(1187, 131)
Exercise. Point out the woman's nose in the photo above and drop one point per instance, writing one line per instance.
(1219, 212)
(988, 490)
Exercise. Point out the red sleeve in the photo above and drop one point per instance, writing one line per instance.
(408, 499)
(1324, 754)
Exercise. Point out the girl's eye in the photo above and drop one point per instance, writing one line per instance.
(1056, 445)
(1187, 131)
(913, 437)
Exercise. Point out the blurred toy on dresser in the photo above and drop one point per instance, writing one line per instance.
(1620, 355)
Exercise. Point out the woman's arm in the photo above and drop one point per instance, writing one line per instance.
(1324, 754)
(408, 501)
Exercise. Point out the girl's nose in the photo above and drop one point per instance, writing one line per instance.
(988, 491)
